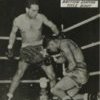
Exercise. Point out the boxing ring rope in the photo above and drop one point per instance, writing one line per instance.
(7, 38)
(83, 48)
(40, 80)
(94, 73)
(64, 30)
(81, 23)
(23, 81)
(43, 79)
(67, 29)
(90, 45)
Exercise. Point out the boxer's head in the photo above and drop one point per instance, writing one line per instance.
(32, 10)
(52, 44)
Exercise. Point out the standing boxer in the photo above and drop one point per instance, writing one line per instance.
(30, 26)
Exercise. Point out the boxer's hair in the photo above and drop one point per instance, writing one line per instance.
(48, 39)
(31, 2)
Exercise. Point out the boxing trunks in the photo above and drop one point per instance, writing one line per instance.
(79, 75)
(31, 54)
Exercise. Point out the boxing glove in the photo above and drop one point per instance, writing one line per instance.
(10, 54)
(48, 60)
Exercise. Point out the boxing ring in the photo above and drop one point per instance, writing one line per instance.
(43, 81)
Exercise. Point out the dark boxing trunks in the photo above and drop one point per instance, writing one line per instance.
(31, 54)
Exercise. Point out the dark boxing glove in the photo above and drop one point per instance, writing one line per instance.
(62, 35)
(48, 60)
(10, 54)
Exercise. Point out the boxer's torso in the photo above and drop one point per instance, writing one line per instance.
(30, 29)
(71, 46)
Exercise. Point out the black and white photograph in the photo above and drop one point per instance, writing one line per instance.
(49, 50)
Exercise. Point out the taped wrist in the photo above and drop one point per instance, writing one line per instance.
(9, 46)
(10, 95)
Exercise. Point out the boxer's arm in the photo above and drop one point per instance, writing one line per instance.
(51, 25)
(12, 35)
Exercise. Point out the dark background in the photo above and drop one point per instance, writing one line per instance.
(86, 34)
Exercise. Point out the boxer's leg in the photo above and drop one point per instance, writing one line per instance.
(22, 66)
(64, 85)
(73, 91)
(50, 74)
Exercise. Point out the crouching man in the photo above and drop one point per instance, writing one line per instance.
(76, 72)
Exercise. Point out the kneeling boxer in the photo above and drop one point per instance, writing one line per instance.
(76, 71)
